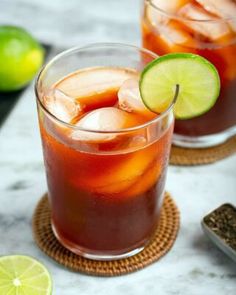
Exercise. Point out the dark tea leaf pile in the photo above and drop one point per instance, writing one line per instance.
(222, 222)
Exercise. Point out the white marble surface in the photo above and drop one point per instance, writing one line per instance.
(194, 266)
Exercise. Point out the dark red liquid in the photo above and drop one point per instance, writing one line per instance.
(87, 216)
(223, 115)
(105, 196)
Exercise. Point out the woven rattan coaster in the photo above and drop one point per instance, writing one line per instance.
(161, 243)
(189, 157)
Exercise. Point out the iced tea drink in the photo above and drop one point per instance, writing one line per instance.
(105, 154)
(207, 28)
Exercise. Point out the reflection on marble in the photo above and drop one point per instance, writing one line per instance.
(194, 266)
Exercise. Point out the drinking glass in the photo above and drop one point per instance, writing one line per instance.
(191, 28)
(105, 197)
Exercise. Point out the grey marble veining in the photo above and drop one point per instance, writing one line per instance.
(75, 22)
(193, 266)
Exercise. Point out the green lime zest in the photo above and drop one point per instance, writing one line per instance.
(21, 57)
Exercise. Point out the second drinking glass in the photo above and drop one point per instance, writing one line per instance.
(207, 28)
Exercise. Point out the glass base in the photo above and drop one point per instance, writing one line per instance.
(203, 141)
(87, 253)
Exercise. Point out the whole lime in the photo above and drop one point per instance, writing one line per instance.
(21, 56)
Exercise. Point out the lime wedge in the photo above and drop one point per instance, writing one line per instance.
(23, 275)
(197, 79)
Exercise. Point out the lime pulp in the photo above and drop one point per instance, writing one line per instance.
(198, 80)
(21, 275)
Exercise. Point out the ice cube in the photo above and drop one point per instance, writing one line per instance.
(146, 181)
(157, 17)
(169, 6)
(130, 99)
(94, 81)
(61, 105)
(170, 31)
(226, 9)
(207, 25)
(104, 119)
(173, 34)
(125, 174)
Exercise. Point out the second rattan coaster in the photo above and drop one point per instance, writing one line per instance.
(161, 243)
(189, 157)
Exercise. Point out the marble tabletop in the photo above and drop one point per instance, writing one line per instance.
(194, 266)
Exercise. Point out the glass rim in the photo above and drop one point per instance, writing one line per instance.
(91, 46)
(175, 16)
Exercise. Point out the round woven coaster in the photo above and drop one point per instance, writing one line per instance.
(189, 157)
(161, 243)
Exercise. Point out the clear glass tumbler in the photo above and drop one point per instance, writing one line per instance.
(106, 192)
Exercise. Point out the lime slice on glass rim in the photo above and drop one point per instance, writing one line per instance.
(189, 78)
(23, 275)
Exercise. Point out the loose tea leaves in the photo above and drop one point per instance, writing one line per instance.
(222, 222)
